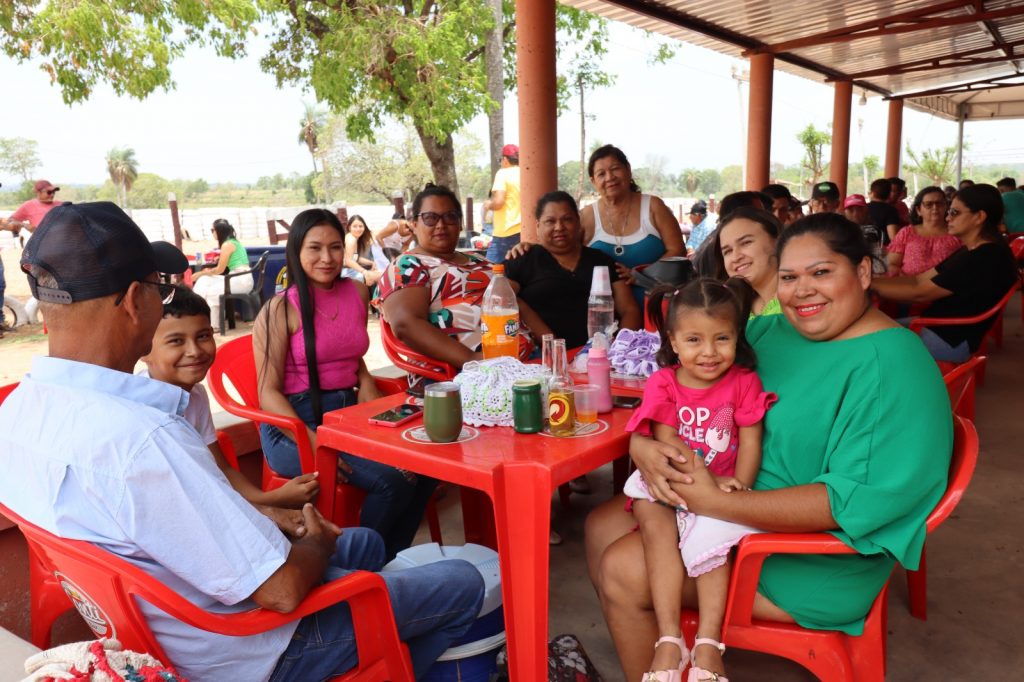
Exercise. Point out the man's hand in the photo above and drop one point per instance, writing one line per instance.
(657, 463)
(290, 521)
(319, 531)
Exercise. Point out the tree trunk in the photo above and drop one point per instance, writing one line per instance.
(495, 86)
(442, 160)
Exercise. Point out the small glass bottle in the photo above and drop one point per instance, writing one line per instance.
(561, 406)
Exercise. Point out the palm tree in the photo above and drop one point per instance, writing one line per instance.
(312, 123)
(123, 169)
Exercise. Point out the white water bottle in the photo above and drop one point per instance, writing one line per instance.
(600, 306)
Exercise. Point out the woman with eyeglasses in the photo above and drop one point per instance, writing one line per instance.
(967, 283)
(926, 242)
(431, 294)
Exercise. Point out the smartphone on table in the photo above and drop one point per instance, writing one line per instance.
(628, 402)
(397, 415)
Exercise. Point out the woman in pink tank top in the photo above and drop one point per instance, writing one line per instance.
(309, 344)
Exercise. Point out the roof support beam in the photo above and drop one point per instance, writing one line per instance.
(949, 61)
(841, 114)
(908, 22)
(993, 83)
(759, 126)
(748, 44)
(894, 139)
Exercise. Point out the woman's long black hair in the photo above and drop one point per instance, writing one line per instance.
(224, 231)
(732, 298)
(300, 226)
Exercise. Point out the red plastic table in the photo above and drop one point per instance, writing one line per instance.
(518, 472)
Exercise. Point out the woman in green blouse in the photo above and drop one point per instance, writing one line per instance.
(844, 452)
(209, 283)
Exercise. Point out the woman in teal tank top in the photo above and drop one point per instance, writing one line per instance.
(844, 452)
(209, 283)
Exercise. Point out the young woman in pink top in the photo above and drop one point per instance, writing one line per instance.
(309, 344)
(926, 242)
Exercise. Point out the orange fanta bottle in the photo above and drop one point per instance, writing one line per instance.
(499, 319)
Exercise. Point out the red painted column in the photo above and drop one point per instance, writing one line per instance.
(759, 122)
(538, 118)
(894, 138)
(839, 167)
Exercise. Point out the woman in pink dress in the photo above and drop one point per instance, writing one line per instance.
(926, 242)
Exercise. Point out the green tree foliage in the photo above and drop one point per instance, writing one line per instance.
(125, 43)
(19, 156)
(934, 164)
(709, 181)
(150, 191)
(123, 169)
(814, 142)
(732, 180)
(361, 168)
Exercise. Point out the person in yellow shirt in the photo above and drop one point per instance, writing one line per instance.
(504, 202)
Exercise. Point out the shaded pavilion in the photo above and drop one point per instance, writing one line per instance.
(960, 60)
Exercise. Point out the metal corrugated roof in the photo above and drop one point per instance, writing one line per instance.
(922, 48)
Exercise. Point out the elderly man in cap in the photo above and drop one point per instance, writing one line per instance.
(702, 225)
(825, 198)
(90, 451)
(505, 203)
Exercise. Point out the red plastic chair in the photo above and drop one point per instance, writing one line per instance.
(1017, 246)
(105, 588)
(830, 655)
(960, 383)
(411, 361)
(995, 332)
(337, 501)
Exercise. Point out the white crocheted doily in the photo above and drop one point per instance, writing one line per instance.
(486, 387)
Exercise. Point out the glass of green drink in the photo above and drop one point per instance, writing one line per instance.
(442, 412)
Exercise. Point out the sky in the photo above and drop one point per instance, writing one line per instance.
(227, 121)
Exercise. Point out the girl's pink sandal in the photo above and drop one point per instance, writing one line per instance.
(670, 675)
(700, 674)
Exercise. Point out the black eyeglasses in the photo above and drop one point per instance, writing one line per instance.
(430, 218)
(165, 290)
(954, 212)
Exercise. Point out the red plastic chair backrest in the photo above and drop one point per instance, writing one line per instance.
(921, 322)
(960, 383)
(103, 587)
(235, 362)
(1017, 246)
(411, 361)
(961, 470)
(6, 391)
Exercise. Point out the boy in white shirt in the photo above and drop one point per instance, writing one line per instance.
(183, 351)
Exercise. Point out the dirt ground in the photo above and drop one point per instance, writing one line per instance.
(18, 347)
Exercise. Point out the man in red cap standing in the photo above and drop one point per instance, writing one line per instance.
(31, 213)
(504, 202)
(28, 216)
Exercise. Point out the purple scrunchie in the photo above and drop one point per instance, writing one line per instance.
(634, 352)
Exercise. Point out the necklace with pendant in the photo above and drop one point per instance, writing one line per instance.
(619, 236)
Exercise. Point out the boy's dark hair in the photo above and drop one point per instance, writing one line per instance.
(186, 303)
(732, 298)
(1007, 182)
(881, 189)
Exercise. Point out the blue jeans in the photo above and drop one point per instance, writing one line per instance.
(938, 347)
(434, 605)
(499, 246)
(395, 500)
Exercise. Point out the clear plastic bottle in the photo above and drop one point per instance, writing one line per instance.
(499, 319)
(600, 306)
(599, 373)
(561, 404)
